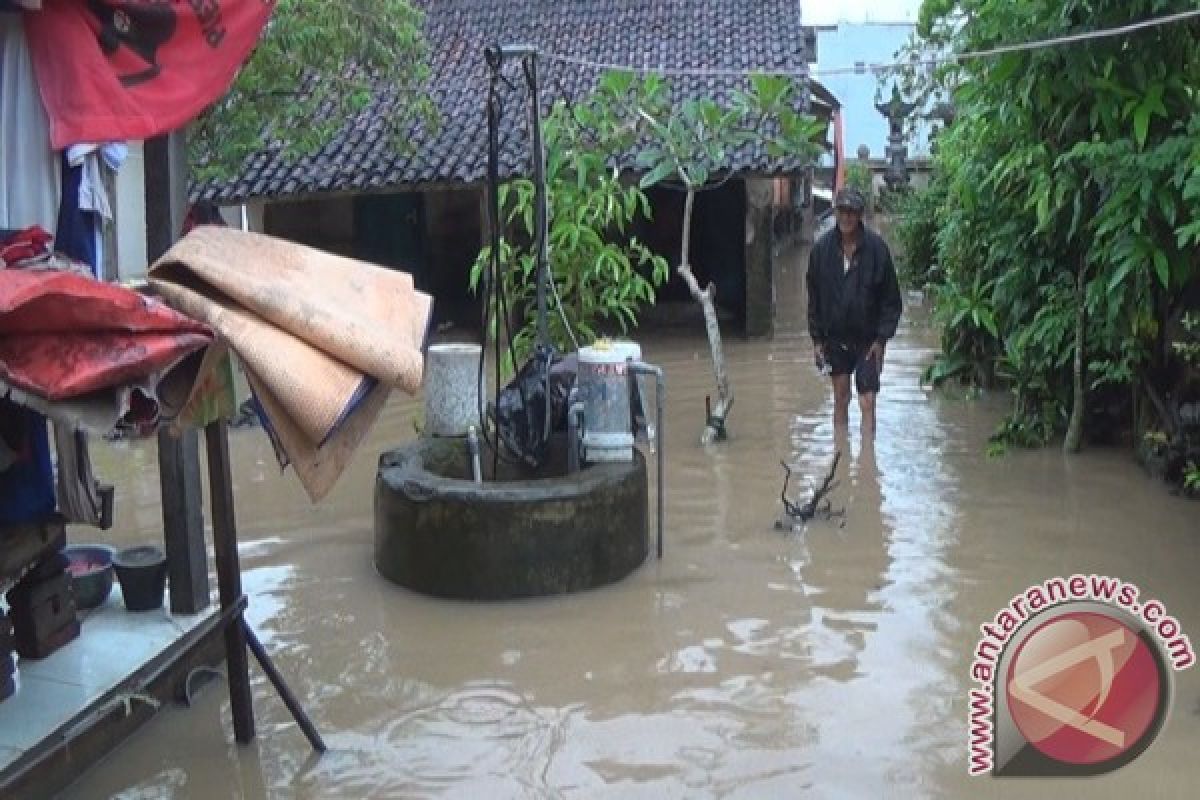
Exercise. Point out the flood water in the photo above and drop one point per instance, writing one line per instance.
(748, 663)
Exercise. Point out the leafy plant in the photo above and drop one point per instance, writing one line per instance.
(1188, 348)
(969, 333)
(858, 176)
(602, 275)
(1155, 441)
(1071, 180)
(688, 146)
(1191, 477)
(919, 214)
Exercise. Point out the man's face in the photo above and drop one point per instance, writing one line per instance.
(848, 220)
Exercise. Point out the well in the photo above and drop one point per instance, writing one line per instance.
(525, 534)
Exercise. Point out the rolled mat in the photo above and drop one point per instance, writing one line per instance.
(323, 337)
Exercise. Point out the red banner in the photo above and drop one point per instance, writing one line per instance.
(132, 69)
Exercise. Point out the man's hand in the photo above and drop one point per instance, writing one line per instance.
(819, 356)
(875, 355)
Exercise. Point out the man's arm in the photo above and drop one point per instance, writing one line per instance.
(890, 304)
(816, 325)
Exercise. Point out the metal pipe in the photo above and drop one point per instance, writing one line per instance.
(541, 215)
(473, 448)
(660, 391)
(281, 687)
(574, 431)
(540, 210)
(497, 53)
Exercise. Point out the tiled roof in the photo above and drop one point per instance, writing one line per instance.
(691, 34)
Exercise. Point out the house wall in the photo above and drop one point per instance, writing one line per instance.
(731, 243)
(255, 218)
(129, 212)
(761, 203)
(453, 235)
(326, 223)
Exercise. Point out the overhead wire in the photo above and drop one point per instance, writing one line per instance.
(947, 58)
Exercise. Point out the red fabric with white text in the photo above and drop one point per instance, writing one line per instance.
(131, 69)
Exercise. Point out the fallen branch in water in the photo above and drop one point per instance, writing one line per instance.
(817, 504)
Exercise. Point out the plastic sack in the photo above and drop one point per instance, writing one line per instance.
(521, 407)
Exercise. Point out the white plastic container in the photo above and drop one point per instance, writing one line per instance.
(603, 381)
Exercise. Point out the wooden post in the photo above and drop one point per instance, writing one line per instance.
(714, 426)
(183, 520)
(178, 457)
(229, 578)
(760, 284)
(165, 160)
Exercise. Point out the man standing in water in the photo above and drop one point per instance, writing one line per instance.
(853, 307)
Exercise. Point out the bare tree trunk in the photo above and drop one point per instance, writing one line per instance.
(714, 426)
(1074, 439)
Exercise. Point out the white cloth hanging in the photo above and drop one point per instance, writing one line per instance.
(30, 175)
(93, 157)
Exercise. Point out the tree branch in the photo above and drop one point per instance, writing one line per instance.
(714, 428)
(809, 509)
(685, 244)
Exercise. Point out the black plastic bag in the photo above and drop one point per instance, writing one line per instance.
(520, 412)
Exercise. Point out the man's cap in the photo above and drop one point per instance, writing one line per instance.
(850, 198)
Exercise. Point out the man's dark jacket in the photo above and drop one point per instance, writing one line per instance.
(855, 307)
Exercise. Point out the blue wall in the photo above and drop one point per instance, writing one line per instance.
(870, 43)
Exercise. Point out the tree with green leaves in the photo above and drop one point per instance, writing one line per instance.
(685, 146)
(690, 145)
(1068, 239)
(316, 65)
(600, 274)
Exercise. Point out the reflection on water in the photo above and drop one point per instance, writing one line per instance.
(747, 663)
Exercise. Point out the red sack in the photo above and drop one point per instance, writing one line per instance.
(63, 335)
(131, 69)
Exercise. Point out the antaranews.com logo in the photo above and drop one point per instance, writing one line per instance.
(1074, 678)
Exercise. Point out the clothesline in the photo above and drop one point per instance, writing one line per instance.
(948, 58)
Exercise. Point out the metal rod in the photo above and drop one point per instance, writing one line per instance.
(542, 219)
(574, 431)
(660, 393)
(473, 449)
(660, 389)
(229, 577)
(285, 692)
(539, 185)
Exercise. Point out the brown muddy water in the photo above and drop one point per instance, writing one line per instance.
(748, 663)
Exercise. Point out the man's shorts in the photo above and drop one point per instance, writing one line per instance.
(845, 359)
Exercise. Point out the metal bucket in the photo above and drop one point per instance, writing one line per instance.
(451, 389)
(603, 381)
